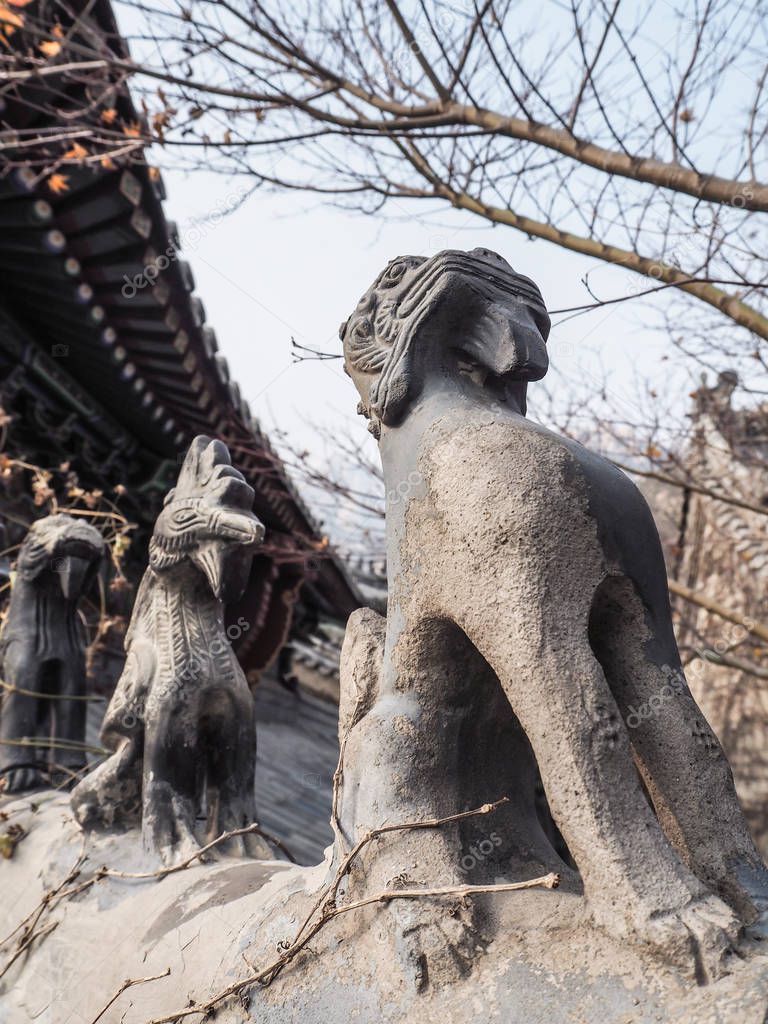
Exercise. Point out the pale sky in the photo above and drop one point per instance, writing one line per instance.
(283, 265)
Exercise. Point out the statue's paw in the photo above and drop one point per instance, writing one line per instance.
(174, 843)
(435, 945)
(757, 928)
(174, 855)
(699, 938)
(186, 848)
(18, 780)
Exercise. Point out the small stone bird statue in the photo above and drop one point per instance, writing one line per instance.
(181, 722)
(42, 649)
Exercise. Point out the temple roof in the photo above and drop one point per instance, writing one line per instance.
(106, 356)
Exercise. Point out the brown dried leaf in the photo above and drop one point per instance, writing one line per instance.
(58, 183)
(10, 839)
(11, 20)
(76, 152)
(92, 498)
(49, 47)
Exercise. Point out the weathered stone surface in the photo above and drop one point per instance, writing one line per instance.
(208, 923)
(526, 575)
(42, 646)
(181, 721)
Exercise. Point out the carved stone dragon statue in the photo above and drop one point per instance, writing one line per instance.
(528, 615)
(42, 646)
(181, 721)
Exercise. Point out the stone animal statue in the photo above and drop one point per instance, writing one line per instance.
(42, 649)
(181, 721)
(528, 617)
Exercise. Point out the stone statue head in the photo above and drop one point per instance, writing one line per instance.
(207, 521)
(63, 550)
(467, 313)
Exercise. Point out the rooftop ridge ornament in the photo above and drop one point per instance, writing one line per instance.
(528, 618)
(181, 724)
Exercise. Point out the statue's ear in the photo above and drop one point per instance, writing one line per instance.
(391, 394)
(398, 384)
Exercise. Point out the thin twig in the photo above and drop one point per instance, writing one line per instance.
(12, 688)
(550, 881)
(26, 944)
(326, 904)
(171, 869)
(707, 492)
(34, 916)
(60, 893)
(338, 776)
(61, 744)
(329, 896)
(129, 983)
(709, 604)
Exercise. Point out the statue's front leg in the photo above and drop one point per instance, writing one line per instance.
(400, 725)
(682, 763)
(19, 719)
(635, 886)
(68, 713)
(229, 742)
(169, 782)
(110, 795)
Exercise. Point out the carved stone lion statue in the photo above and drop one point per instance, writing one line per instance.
(181, 721)
(528, 615)
(42, 647)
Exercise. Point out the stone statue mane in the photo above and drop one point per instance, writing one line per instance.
(379, 336)
(181, 720)
(63, 544)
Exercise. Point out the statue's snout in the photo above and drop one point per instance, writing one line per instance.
(506, 343)
(517, 351)
(73, 572)
(225, 557)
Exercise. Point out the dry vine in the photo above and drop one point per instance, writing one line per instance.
(128, 983)
(29, 926)
(325, 908)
